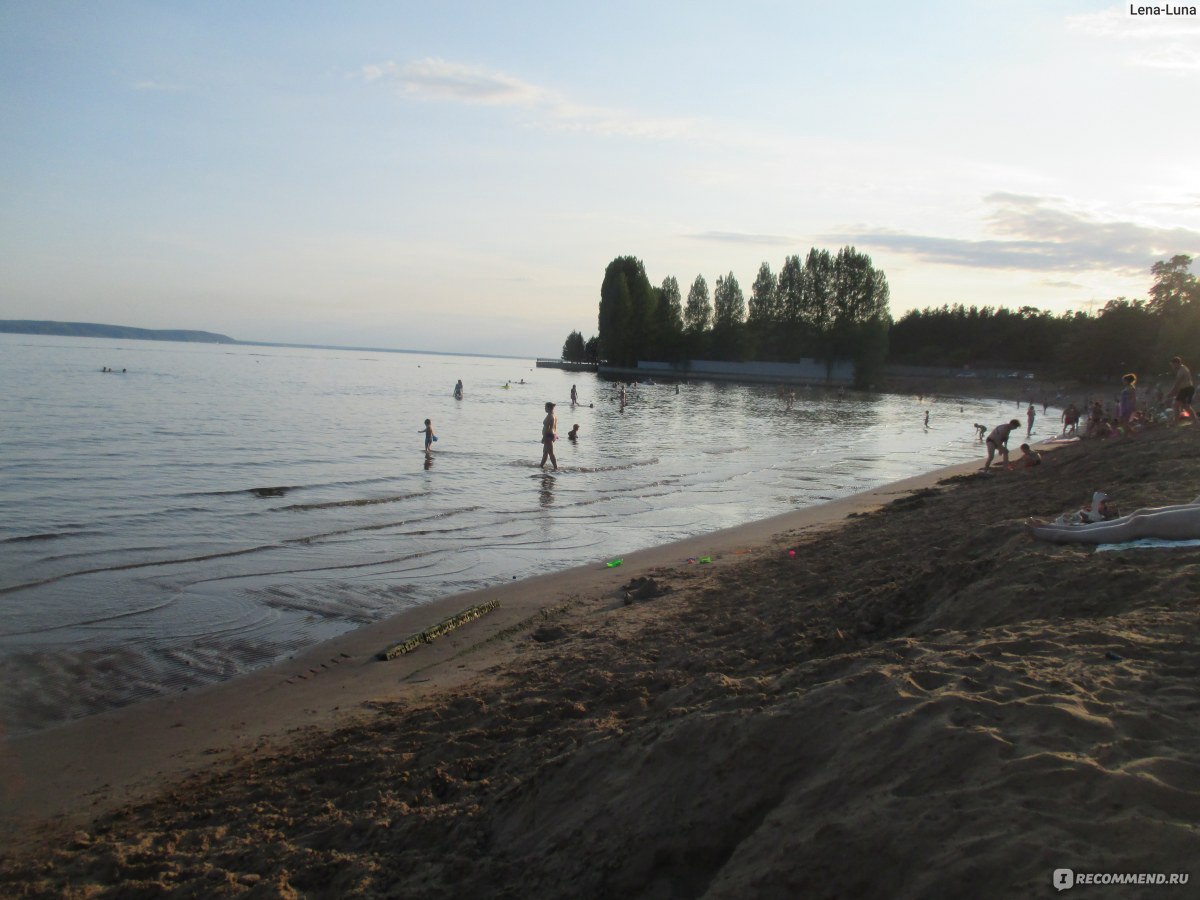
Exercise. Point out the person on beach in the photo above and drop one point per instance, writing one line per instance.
(549, 436)
(573, 434)
(1030, 457)
(1030, 415)
(429, 436)
(1169, 523)
(574, 397)
(1070, 419)
(1182, 390)
(926, 418)
(998, 441)
(981, 430)
(458, 390)
(1127, 402)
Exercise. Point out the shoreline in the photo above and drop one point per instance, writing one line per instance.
(61, 777)
(921, 685)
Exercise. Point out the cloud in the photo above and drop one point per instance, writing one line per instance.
(436, 79)
(738, 237)
(1039, 234)
(439, 80)
(1149, 41)
(1064, 285)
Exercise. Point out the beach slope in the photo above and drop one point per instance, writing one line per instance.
(920, 700)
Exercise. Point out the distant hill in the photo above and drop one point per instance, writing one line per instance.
(90, 329)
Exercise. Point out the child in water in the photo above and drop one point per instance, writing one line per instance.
(573, 434)
(430, 437)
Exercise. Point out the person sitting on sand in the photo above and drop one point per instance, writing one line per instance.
(1030, 457)
(573, 434)
(998, 440)
(1169, 523)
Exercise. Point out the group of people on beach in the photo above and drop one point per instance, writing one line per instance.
(1101, 523)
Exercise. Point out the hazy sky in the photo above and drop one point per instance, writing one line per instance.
(456, 176)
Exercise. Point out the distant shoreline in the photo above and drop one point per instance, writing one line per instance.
(129, 333)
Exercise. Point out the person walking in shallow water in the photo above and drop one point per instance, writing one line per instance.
(429, 437)
(549, 429)
(574, 397)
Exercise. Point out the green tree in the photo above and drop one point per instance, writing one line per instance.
(627, 312)
(1174, 286)
(573, 348)
(669, 326)
(766, 314)
(698, 313)
(729, 312)
(818, 299)
(765, 308)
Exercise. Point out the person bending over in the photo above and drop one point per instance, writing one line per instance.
(998, 441)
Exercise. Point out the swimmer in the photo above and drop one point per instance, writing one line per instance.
(573, 434)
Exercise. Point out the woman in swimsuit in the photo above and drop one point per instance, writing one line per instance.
(549, 429)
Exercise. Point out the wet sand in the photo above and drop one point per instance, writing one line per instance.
(921, 700)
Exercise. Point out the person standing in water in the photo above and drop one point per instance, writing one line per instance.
(574, 397)
(549, 429)
(458, 390)
(429, 437)
(1030, 415)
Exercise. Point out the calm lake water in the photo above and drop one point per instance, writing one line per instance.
(215, 508)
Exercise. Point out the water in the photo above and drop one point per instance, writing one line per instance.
(216, 508)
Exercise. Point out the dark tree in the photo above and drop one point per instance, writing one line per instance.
(574, 348)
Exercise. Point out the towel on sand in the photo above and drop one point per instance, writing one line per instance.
(1148, 542)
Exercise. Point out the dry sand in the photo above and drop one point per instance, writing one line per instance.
(922, 701)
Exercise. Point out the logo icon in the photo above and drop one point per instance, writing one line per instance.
(1063, 879)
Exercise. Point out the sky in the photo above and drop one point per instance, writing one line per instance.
(456, 176)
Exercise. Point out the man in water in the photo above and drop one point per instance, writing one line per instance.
(458, 390)
(998, 440)
(574, 397)
(549, 429)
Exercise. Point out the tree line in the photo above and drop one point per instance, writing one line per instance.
(1137, 336)
(831, 306)
(825, 306)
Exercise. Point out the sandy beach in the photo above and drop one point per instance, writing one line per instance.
(899, 694)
